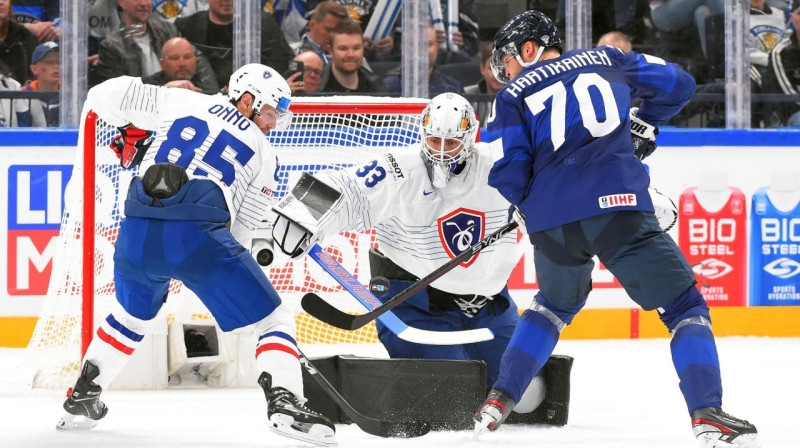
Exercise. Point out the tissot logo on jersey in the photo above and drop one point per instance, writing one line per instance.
(395, 167)
(459, 230)
(617, 200)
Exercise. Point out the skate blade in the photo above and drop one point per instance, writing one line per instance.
(69, 422)
(282, 425)
(744, 441)
(482, 426)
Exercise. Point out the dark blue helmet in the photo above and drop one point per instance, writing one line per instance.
(528, 26)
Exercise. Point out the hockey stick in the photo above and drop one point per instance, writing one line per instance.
(370, 302)
(329, 314)
(376, 427)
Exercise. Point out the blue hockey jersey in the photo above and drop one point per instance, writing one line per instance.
(560, 133)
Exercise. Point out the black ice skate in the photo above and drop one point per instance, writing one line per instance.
(83, 406)
(288, 417)
(714, 428)
(493, 412)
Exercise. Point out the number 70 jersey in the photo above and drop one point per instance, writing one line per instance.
(560, 133)
(204, 134)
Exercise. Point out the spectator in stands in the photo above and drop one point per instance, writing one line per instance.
(615, 39)
(291, 15)
(438, 82)
(12, 112)
(45, 67)
(104, 19)
(675, 15)
(326, 16)
(134, 49)
(767, 25)
(212, 33)
(16, 44)
(488, 85)
(40, 17)
(179, 68)
(783, 73)
(170, 10)
(312, 71)
(345, 73)
(467, 38)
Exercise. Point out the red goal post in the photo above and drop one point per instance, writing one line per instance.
(326, 133)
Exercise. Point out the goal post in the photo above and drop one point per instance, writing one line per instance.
(326, 133)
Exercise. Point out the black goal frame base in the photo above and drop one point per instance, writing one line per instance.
(443, 393)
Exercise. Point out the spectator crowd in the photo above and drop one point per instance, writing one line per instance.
(189, 44)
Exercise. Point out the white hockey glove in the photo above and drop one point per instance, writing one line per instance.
(665, 209)
(301, 213)
(643, 136)
(514, 214)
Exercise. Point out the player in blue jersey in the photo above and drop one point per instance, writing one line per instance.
(561, 134)
(207, 183)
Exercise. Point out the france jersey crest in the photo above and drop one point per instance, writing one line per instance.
(460, 230)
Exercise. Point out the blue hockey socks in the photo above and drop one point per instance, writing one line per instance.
(694, 352)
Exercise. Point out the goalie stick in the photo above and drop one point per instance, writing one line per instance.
(370, 302)
(324, 311)
(376, 427)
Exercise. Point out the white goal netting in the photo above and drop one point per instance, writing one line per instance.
(325, 133)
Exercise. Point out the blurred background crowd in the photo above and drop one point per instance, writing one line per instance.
(321, 48)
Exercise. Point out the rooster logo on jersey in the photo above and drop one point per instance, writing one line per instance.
(461, 229)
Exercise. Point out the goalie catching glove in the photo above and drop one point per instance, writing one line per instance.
(131, 145)
(301, 214)
(643, 136)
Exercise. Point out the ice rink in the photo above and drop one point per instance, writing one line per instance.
(624, 395)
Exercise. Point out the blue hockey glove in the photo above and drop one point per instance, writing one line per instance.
(131, 145)
(643, 136)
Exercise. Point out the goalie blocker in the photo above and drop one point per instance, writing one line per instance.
(301, 215)
(444, 393)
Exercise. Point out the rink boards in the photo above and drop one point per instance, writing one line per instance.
(35, 167)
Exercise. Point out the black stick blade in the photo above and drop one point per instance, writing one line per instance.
(324, 311)
(405, 430)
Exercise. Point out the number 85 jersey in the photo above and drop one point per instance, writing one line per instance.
(205, 134)
(560, 133)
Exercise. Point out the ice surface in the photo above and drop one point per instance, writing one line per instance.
(624, 395)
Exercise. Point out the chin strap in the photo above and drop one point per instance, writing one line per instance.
(535, 60)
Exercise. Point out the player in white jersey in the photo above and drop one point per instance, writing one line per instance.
(209, 169)
(427, 204)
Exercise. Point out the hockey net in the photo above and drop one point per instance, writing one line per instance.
(325, 133)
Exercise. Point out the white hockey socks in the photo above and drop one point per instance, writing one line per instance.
(115, 341)
(276, 351)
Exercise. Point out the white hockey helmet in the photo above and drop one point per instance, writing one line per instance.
(268, 89)
(448, 116)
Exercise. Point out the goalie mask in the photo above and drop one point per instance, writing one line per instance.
(449, 129)
(268, 89)
(529, 26)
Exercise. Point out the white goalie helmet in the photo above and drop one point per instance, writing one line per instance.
(447, 118)
(268, 89)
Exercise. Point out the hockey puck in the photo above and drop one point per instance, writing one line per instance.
(379, 286)
(264, 257)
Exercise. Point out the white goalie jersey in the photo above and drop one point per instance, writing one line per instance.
(204, 134)
(420, 227)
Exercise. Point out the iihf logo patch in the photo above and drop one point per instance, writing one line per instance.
(461, 229)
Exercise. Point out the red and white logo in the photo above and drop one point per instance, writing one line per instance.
(712, 268)
(617, 200)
